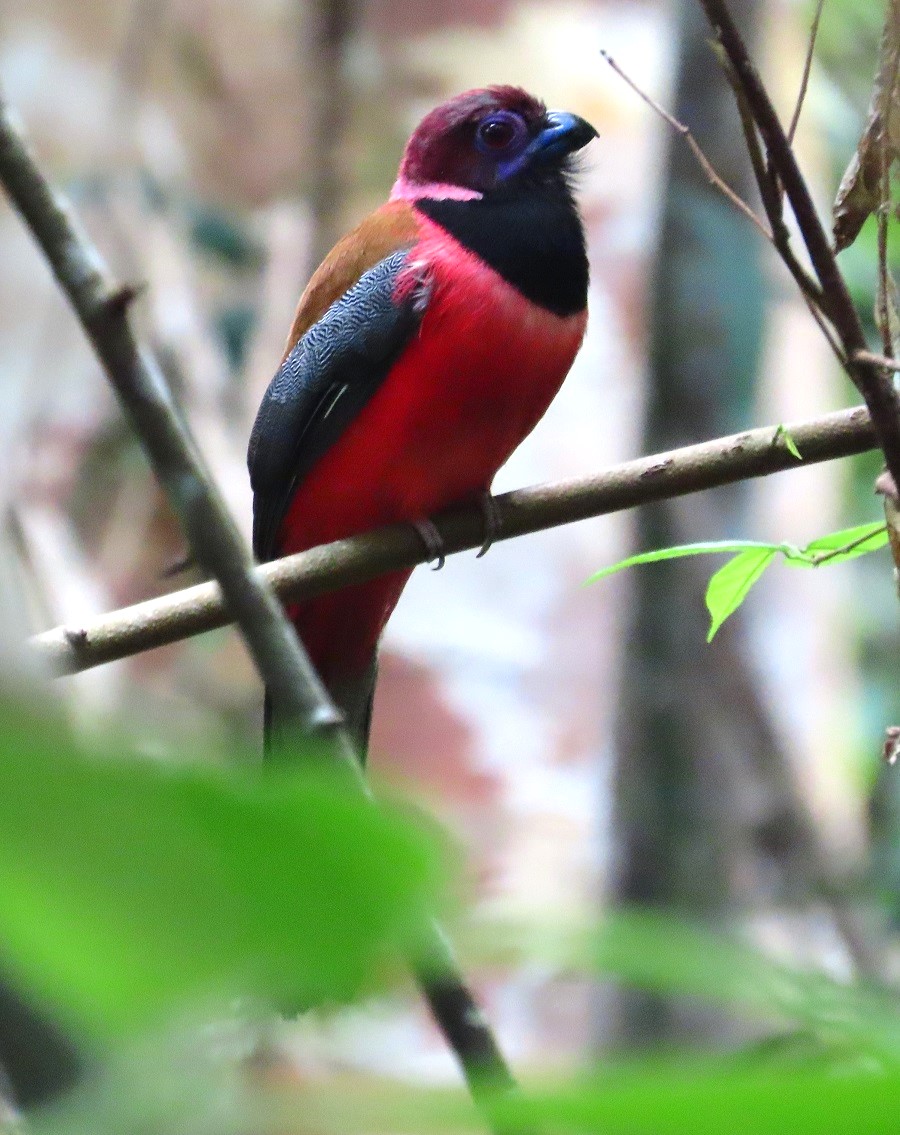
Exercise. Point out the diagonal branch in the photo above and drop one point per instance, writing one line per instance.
(771, 196)
(873, 382)
(755, 453)
(102, 308)
(215, 543)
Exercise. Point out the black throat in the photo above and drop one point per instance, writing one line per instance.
(531, 235)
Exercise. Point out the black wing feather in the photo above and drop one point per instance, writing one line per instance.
(323, 384)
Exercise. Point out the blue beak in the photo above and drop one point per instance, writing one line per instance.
(563, 134)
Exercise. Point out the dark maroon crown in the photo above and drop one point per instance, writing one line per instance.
(441, 147)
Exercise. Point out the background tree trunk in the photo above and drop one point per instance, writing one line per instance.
(701, 792)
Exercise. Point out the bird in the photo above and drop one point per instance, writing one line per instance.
(425, 348)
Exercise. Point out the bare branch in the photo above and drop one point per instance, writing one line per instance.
(216, 545)
(755, 453)
(101, 306)
(703, 161)
(873, 383)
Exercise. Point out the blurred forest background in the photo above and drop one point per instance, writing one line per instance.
(584, 744)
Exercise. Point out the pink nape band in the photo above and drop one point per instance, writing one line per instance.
(434, 190)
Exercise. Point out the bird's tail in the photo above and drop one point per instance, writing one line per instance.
(354, 697)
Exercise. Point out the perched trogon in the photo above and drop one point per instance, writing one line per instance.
(426, 347)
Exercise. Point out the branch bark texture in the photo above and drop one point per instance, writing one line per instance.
(754, 453)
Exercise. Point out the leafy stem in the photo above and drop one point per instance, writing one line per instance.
(730, 585)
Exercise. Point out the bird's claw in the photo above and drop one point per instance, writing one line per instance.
(492, 523)
(433, 541)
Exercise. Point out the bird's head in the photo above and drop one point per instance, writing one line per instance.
(485, 140)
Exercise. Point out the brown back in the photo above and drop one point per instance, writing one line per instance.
(393, 226)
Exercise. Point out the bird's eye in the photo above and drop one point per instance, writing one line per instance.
(500, 131)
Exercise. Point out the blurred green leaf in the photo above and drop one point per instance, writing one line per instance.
(665, 954)
(660, 952)
(731, 584)
(711, 1100)
(658, 1097)
(837, 1071)
(128, 889)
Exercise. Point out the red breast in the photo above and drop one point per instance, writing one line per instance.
(479, 376)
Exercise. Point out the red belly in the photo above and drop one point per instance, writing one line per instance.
(466, 391)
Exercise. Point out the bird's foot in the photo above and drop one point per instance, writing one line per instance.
(492, 522)
(433, 541)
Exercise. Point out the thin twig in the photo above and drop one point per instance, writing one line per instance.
(216, 544)
(825, 327)
(807, 67)
(884, 298)
(756, 453)
(703, 161)
(770, 194)
(874, 383)
(824, 557)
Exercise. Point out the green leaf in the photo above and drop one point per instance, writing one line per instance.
(710, 1100)
(837, 547)
(129, 889)
(730, 585)
(782, 433)
(709, 548)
